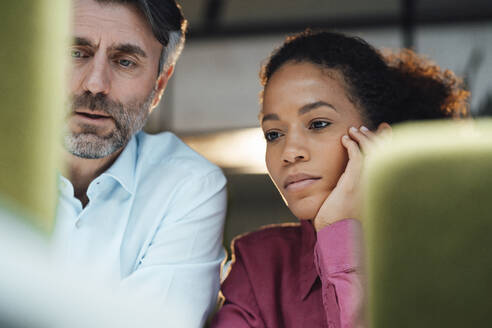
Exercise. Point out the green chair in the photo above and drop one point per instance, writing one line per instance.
(33, 53)
(34, 290)
(428, 225)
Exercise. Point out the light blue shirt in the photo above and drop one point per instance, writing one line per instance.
(153, 225)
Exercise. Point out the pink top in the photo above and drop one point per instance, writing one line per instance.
(291, 276)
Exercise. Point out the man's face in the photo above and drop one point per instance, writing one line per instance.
(115, 60)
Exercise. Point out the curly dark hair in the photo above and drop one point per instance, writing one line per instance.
(393, 88)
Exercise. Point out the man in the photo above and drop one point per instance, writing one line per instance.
(143, 211)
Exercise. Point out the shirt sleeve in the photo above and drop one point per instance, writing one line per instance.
(338, 254)
(240, 309)
(180, 268)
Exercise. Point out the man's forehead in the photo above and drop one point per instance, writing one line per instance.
(112, 22)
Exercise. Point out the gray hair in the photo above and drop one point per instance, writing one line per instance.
(168, 26)
(172, 51)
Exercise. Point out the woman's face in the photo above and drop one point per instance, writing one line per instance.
(305, 113)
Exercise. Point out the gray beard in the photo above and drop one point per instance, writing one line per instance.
(128, 120)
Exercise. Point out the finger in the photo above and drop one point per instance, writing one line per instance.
(351, 176)
(364, 141)
(381, 136)
(352, 146)
(384, 130)
(368, 133)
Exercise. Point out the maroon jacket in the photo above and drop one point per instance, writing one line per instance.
(290, 276)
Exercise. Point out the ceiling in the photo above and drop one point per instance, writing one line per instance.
(215, 18)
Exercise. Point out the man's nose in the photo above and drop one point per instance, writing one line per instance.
(295, 149)
(97, 78)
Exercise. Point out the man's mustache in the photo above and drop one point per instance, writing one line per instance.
(99, 102)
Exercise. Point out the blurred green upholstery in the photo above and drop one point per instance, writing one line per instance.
(428, 224)
(33, 52)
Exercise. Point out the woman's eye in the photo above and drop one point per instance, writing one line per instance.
(272, 135)
(319, 125)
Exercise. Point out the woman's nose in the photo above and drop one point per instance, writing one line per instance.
(295, 149)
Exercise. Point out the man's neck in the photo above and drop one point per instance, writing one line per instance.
(81, 172)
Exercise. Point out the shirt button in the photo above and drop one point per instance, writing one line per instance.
(77, 224)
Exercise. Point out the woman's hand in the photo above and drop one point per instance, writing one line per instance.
(345, 200)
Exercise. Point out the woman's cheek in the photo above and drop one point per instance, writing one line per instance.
(335, 167)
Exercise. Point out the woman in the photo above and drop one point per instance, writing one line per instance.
(326, 97)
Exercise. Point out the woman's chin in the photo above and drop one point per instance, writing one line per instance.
(307, 208)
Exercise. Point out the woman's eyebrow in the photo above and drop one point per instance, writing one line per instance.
(309, 107)
(270, 117)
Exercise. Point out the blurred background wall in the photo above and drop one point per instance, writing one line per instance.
(212, 100)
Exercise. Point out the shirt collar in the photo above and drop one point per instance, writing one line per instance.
(123, 169)
(308, 275)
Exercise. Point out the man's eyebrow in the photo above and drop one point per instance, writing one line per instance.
(127, 48)
(78, 41)
(130, 49)
(270, 117)
(309, 107)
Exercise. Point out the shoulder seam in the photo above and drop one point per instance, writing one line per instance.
(268, 226)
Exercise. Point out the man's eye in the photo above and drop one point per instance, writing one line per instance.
(77, 54)
(272, 135)
(126, 63)
(319, 125)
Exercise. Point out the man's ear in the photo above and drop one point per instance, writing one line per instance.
(160, 86)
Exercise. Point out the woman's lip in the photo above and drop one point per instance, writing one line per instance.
(301, 184)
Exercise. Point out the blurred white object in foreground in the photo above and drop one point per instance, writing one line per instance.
(35, 292)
